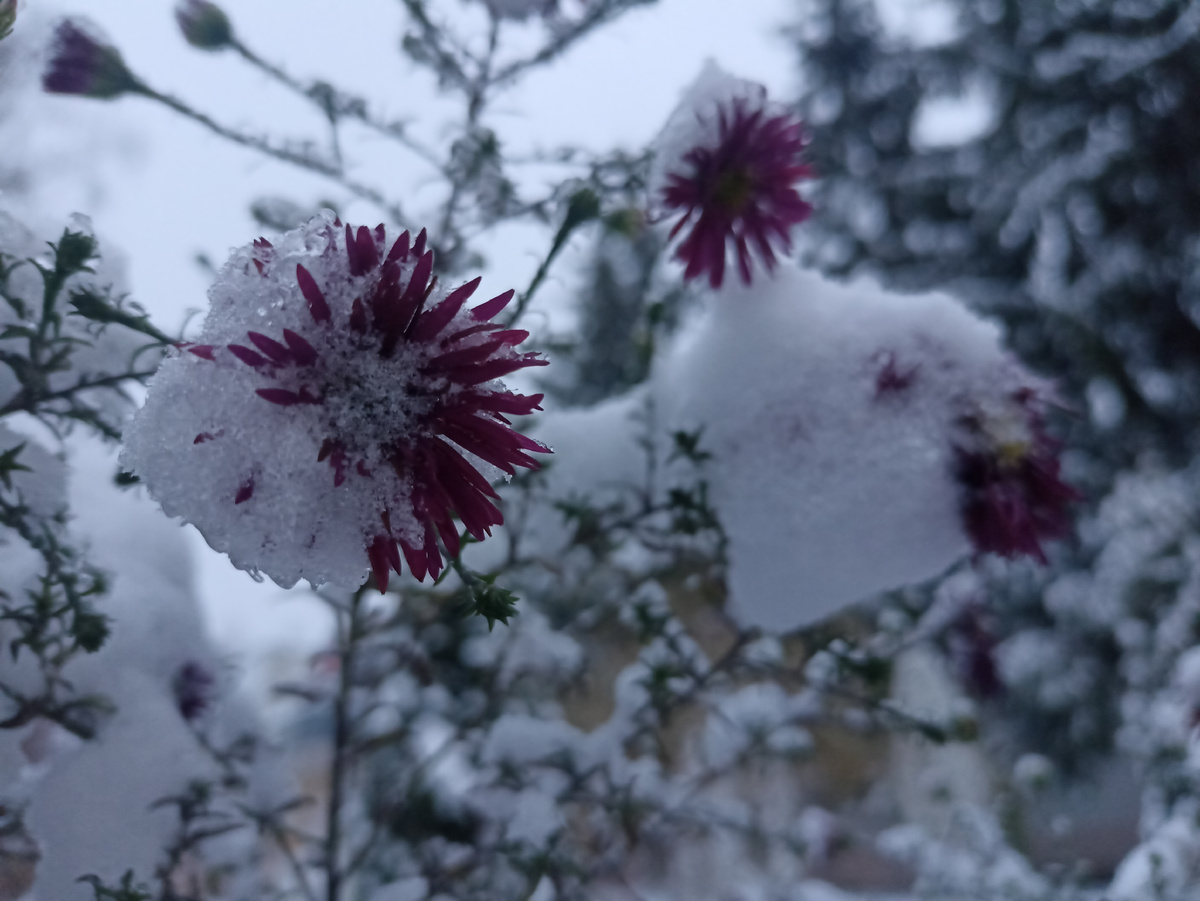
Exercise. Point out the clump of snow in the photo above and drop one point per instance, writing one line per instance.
(832, 412)
(762, 712)
(521, 739)
(145, 750)
(1163, 866)
(144, 754)
(1033, 772)
(415, 888)
(198, 478)
(530, 647)
(969, 859)
(600, 459)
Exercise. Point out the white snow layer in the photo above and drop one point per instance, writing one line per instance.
(1163, 866)
(77, 790)
(830, 410)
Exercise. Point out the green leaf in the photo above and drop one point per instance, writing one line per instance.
(93, 306)
(8, 15)
(90, 630)
(687, 446)
(125, 891)
(9, 464)
(18, 331)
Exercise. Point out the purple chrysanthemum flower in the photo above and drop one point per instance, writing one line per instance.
(1013, 497)
(204, 25)
(729, 163)
(85, 65)
(338, 410)
(193, 687)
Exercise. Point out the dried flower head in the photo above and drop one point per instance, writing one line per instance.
(337, 411)
(204, 25)
(1012, 497)
(88, 66)
(729, 161)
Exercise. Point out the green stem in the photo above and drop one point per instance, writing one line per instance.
(348, 635)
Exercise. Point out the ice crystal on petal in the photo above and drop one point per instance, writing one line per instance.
(727, 163)
(338, 410)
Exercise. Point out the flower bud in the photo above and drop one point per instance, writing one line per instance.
(86, 66)
(204, 25)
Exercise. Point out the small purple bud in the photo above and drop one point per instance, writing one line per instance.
(193, 687)
(204, 25)
(86, 66)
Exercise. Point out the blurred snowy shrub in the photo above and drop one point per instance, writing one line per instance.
(852, 470)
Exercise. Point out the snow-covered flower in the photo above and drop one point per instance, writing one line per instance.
(204, 25)
(834, 416)
(728, 161)
(83, 64)
(1012, 496)
(337, 410)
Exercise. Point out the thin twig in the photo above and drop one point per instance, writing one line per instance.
(302, 160)
(279, 834)
(597, 15)
(476, 91)
(358, 111)
(348, 635)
